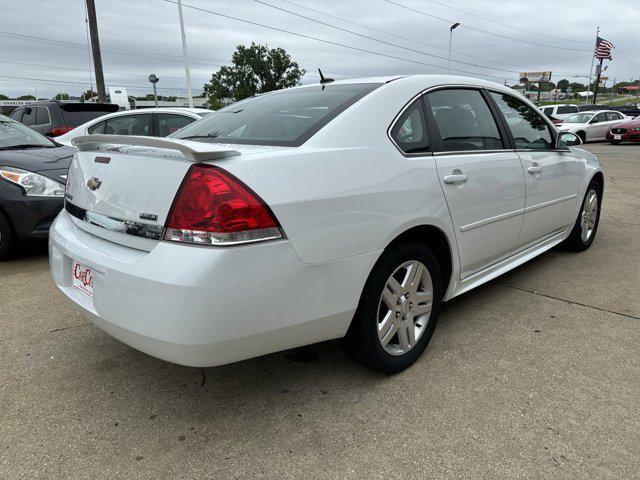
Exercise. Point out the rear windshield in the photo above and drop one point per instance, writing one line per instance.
(568, 109)
(284, 118)
(75, 114)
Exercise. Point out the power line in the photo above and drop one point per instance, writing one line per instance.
(506, 25)
(40, 80)
(112, 51)
(483, 31)
(382, 41)
(328, 42)
(416, 41)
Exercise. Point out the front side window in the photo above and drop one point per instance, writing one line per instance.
(548, 111)
(169, 123)
(528, 128)
(282, 118)
(409, 132)
(29, 117)
(128, 125)
(464, 120)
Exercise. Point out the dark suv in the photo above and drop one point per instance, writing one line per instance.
(55, 118)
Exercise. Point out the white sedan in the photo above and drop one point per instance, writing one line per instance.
(155, 122)
(591, 125)
(349, 209)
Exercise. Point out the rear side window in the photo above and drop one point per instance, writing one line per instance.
(42, 116)
(409, 132)
(548, 111)
(169, 123)
(129, 125)
(283, 118)
(568, 109)
(612, 116)
(528, 128)
(464, 120)
(97, 128)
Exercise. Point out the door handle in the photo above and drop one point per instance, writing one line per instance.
(455, 178)
(534, 169)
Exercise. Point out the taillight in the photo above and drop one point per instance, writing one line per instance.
(214, 208)
(56, 131)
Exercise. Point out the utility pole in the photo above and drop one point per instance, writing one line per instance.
(185, 54)
(95, 48)
(595, 86)
(611, 93)
(593, 56)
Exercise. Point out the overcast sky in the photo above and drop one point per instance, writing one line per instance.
(143, 36)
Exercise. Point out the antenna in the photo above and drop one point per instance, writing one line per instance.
(324, 79)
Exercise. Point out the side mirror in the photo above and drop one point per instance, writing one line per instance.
(568, 139)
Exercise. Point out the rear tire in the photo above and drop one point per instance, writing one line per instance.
(398, 310)
(586, 226)
(6, 238)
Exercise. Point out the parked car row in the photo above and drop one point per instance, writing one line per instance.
(593, 124)
(35, 153)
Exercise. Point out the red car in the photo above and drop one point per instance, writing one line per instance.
(627, 131)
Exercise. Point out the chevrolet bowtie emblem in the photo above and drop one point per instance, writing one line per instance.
(93, 183)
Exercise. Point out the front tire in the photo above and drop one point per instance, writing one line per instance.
(398, 311)
(586, 226)
(6, 238)
(583, 136)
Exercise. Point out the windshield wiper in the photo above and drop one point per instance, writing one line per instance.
(24, 145)
(208, 135)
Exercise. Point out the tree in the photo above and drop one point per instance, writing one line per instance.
(61, 96)
(563, 84)
(26, 97)
(3, 97)
(254, 69)
(89, 94)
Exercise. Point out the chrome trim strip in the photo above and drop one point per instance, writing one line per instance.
(473, 152)
(522, 251)
(137, 229)
(549, 203)
(487, 221)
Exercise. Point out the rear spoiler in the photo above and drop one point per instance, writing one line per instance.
(193, 151)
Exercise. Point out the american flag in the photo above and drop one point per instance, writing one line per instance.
(603, 49)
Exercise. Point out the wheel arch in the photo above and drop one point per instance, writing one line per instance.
(436, 240)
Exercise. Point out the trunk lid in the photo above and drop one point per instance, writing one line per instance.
(121, 188)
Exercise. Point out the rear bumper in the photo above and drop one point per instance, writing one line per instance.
(31, 217)
(202, 306)
(627, 137)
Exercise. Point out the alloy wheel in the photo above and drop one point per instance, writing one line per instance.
(589, 215)
(405, 307)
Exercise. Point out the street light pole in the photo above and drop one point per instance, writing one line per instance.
(451, 29)
(185, 54)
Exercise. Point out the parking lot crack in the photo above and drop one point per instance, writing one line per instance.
(60, 329)
(569, 301)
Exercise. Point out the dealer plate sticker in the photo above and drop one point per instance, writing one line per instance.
(82, 277)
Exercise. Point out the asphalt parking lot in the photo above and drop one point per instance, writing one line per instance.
(535, 375)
